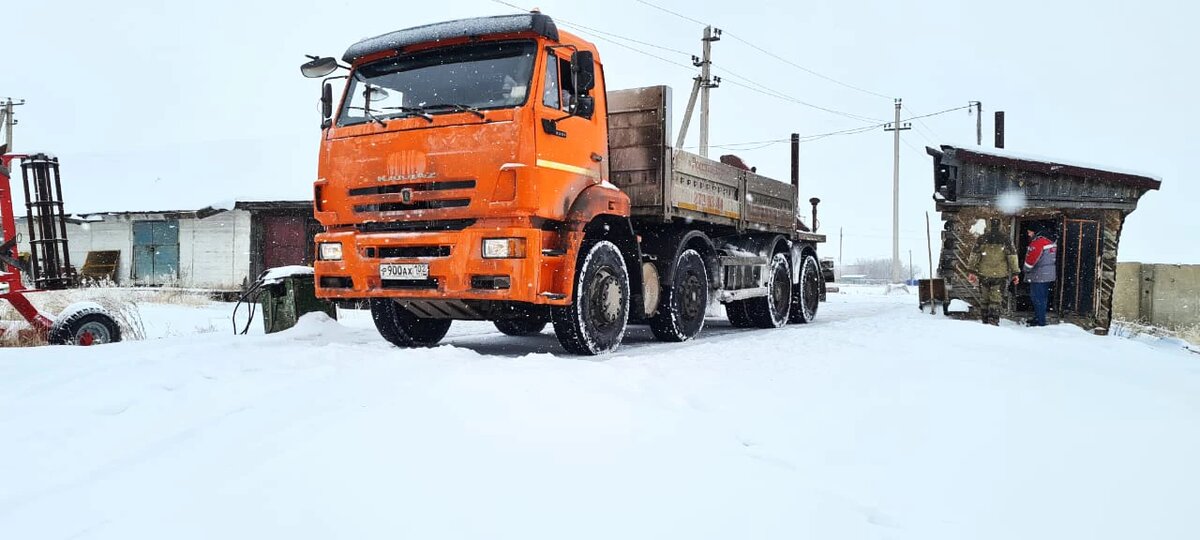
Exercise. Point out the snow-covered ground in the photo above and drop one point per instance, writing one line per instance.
(875, 422)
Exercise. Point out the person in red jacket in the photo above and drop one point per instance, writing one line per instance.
(1041, 259)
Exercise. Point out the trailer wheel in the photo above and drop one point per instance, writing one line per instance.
(522, 326)
(806, 295)
(595, 321)
(771, 311)
(85, 326)
(681, 315)
(403, 329)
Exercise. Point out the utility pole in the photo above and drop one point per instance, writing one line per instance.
(896, 127)
(978, 120)
(700, 86)
(6, 117)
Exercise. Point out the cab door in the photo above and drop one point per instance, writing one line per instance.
(570, 149)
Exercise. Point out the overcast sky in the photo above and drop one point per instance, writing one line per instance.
(174, 105)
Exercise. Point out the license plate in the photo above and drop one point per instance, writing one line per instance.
(404, 271)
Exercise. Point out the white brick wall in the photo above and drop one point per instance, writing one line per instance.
(214, 253)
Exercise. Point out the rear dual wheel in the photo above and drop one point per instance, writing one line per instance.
(806, 293)
(772, 310)
(680, 316)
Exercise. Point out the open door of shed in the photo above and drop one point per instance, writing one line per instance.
(1079, 249)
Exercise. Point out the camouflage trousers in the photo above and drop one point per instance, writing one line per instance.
(991, 293)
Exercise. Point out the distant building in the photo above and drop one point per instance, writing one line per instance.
(1085, 206)
(213, 248)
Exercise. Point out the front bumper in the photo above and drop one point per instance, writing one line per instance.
(457, 269)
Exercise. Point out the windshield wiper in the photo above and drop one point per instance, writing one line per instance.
(456, 106)
(372, 117)
(414, 111)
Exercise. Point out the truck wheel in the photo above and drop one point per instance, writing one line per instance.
(806, 295)
(681, 313)
(771, 311)
(523, 326)
(91, 325)
(402, 328)
(738, 315)
(595, 321)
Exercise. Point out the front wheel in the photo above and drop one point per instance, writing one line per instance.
(594, 322)
(806, 294)
(403, 329)
(680, 317)
(523, 326)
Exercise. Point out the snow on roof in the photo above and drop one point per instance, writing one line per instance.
(1048, 165)
(278, 274)
(478, 26)
(215, 208)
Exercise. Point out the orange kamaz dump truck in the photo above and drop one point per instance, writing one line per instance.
(481, 169)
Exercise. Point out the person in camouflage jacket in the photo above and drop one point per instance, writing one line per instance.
(992, 264)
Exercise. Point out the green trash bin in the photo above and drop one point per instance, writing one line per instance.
(284, 299)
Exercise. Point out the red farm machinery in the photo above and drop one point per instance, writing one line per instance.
(48, 265)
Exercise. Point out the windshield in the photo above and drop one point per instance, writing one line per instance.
(490, 75)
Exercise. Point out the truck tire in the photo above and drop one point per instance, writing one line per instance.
(806, 294)
(84, 326)
(680, 315)
(595, 321)
(771, 311)
(738, 315)
(403, 329)
(521, 326)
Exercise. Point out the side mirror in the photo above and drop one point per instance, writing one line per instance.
(326, 106)
(583, 71)
(318, 67)
(584, 106)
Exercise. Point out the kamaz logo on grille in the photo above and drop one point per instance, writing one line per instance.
(406, 165)
(402, 177)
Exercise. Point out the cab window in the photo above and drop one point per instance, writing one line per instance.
(550, 96)
(559, 92)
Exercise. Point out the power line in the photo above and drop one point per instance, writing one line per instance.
(926, 131)
(680, 15)
(761, 89)
(637, 50)
(771, 54)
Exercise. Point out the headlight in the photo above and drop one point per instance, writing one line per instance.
(503, 248)
(330, 251)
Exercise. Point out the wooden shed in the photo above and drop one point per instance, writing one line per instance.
(1084, 204)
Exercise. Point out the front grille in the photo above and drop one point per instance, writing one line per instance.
(424, 186)
(417, 205)
(415, 226)
(431, 283)
(410, 252)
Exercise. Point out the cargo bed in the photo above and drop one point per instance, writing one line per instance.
(696, 188)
